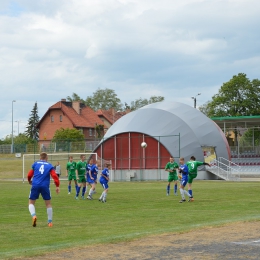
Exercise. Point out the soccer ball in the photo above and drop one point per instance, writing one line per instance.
(144, 144)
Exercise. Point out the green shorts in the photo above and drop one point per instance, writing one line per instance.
(191, 177)
(173, 177)
(72, 177)
(82, 179)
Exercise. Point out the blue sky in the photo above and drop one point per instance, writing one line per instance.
(176, 49)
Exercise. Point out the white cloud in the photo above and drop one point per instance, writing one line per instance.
(50, 49)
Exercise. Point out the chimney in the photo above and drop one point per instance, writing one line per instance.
(63, 100)
(76, 106)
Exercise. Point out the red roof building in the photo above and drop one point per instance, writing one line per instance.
(66, 114)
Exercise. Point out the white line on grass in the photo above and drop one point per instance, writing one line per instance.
(247, 243)
(125, 236)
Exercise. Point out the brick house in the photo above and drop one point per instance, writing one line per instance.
(66, 114)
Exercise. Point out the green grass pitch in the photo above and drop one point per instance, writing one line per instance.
(133, 210)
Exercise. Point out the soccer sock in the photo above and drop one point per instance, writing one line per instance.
(104, 196)
(187, 193)
(78, 191)
(182, 193)
(49, 214)
(83, 191)
(91, 192)
(190, 192)
(76, 187)
(175, 188)
(168, 189)
(86, 189)
(101, 197)
(69, 188)
(32, 210)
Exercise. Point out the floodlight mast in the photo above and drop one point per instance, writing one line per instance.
(195, 99)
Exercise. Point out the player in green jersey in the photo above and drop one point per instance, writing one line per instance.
(71, 173)
(193, 172)
(171, 167)
(81, 176)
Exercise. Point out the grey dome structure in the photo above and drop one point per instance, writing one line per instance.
(165, 119)
(169, 129)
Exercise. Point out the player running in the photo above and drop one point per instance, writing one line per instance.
(184, 173)
(71, 173)
(92, 179)
(193, 171)
(104, 179)
(81, 178)
(171, 167)
(41, 172)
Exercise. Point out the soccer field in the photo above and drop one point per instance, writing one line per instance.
(133, 210)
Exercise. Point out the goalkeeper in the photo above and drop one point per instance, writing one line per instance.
(183, 176)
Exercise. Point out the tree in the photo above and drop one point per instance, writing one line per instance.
(75, 97)
(237, 97)
(32, 130)
(249, 136)
(22, 139)
(69, 139)
(99, 130)
(104, 99)
(140, 102)
(68, 134)
(205, 108)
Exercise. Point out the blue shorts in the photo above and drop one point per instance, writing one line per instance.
(90, 181)
(184, 180)
(37, 190)
(104, 185)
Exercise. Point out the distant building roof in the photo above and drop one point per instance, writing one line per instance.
(111, 115)
(84, 117)
(237, 121)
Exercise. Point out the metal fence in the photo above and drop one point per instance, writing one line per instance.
(51, 147)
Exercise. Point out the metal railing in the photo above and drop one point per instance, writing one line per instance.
(223, 169)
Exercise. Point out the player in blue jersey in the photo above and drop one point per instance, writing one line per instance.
(183, 175)
(92, 179)
(104, 179)
(88, 170)
(41, 172)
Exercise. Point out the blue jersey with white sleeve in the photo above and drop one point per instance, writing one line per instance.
(94, 171)
(184, 170)
(105, 172)
(88, 168)
(41, 175)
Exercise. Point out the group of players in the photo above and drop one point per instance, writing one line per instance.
(39, 178)
(85, 175)
(187, 172)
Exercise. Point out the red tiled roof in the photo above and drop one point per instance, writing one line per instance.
(110, 115)
(87, 117)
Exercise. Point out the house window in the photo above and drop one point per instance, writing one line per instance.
(52, 119)
(60, 118)
(90, 132)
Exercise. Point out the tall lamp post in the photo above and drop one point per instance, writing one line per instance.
(195, 99)
(18, 126)
(12, 147)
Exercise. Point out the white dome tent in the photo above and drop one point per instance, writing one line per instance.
(165, 119)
